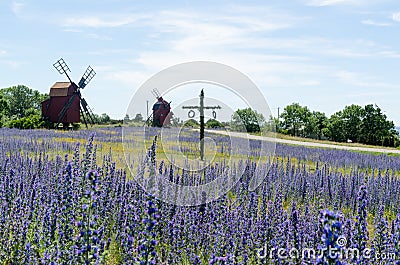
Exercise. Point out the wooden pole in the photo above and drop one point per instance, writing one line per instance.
(202, 125)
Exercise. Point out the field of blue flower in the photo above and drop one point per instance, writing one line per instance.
(68, 198)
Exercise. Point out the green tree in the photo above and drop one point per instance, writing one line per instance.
(127, 118)
(295, 118)
(4, 110)
(4, 106)
(104, 119)
(29, 122)
(138, 118)
(191, 123)
(345, 124)
(352, 117)
(335, 129)
(315, 125)
(213, 123)
(366, 125)
(248, 120)
(23, 101)
(375, 127)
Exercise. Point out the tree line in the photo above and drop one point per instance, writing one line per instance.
(360, 124)
(357, 124)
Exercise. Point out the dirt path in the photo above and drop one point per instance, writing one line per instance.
(310, 144)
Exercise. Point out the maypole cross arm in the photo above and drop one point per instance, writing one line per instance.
(216, 107)
(198, 107)
(190, 107)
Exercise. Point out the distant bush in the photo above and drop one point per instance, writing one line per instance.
(191, 123)
(213, 123)
(33, 121)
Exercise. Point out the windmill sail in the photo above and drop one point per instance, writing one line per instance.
(62, 68)
(87, 77)
(87, 110)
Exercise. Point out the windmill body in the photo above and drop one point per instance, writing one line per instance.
(66, 104)
(161, 111)
(60, 94)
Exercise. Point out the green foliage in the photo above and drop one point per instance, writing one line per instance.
(213, 123)
(374, 126)
(30, 122)
(315, 125)
(191, 123)
(352, 119)
(102, 119)
(4, 106)
(127, 118)
(20, 107)
(248, 120)
(345, 125)
(366, 125)
(295, 118)
(4, 110)
(22, 101)
(354, 123)
(335, 128)
(138, 118)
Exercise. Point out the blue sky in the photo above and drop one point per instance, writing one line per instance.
(324, 54)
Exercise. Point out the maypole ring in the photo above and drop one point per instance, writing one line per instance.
(191, 114)
(214, 113)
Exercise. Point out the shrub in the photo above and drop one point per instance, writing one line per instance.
(29, 122)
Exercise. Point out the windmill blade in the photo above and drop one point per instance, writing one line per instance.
(87, 110)
(62, 68)
(156, 93)
(147, 122)
(87, 77)
(84, 119)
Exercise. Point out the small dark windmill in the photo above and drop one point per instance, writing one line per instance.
(66, 104)
(161, 111)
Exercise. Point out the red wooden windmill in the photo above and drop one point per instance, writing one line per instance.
(161, 111)
(66, 104)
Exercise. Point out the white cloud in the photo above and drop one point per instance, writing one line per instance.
(192, 31)
(12, 64)
(362, 80)
(396, 16)
(389, 54)
(99, 21)
(236, 41)
(125, 52)
(130, 78)
(3, 52)
(73, 30)
(332, 2)
(320, 3)
(17, 7)
(98, 37)
(375, 23)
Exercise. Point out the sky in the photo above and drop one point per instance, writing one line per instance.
(324, 54)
